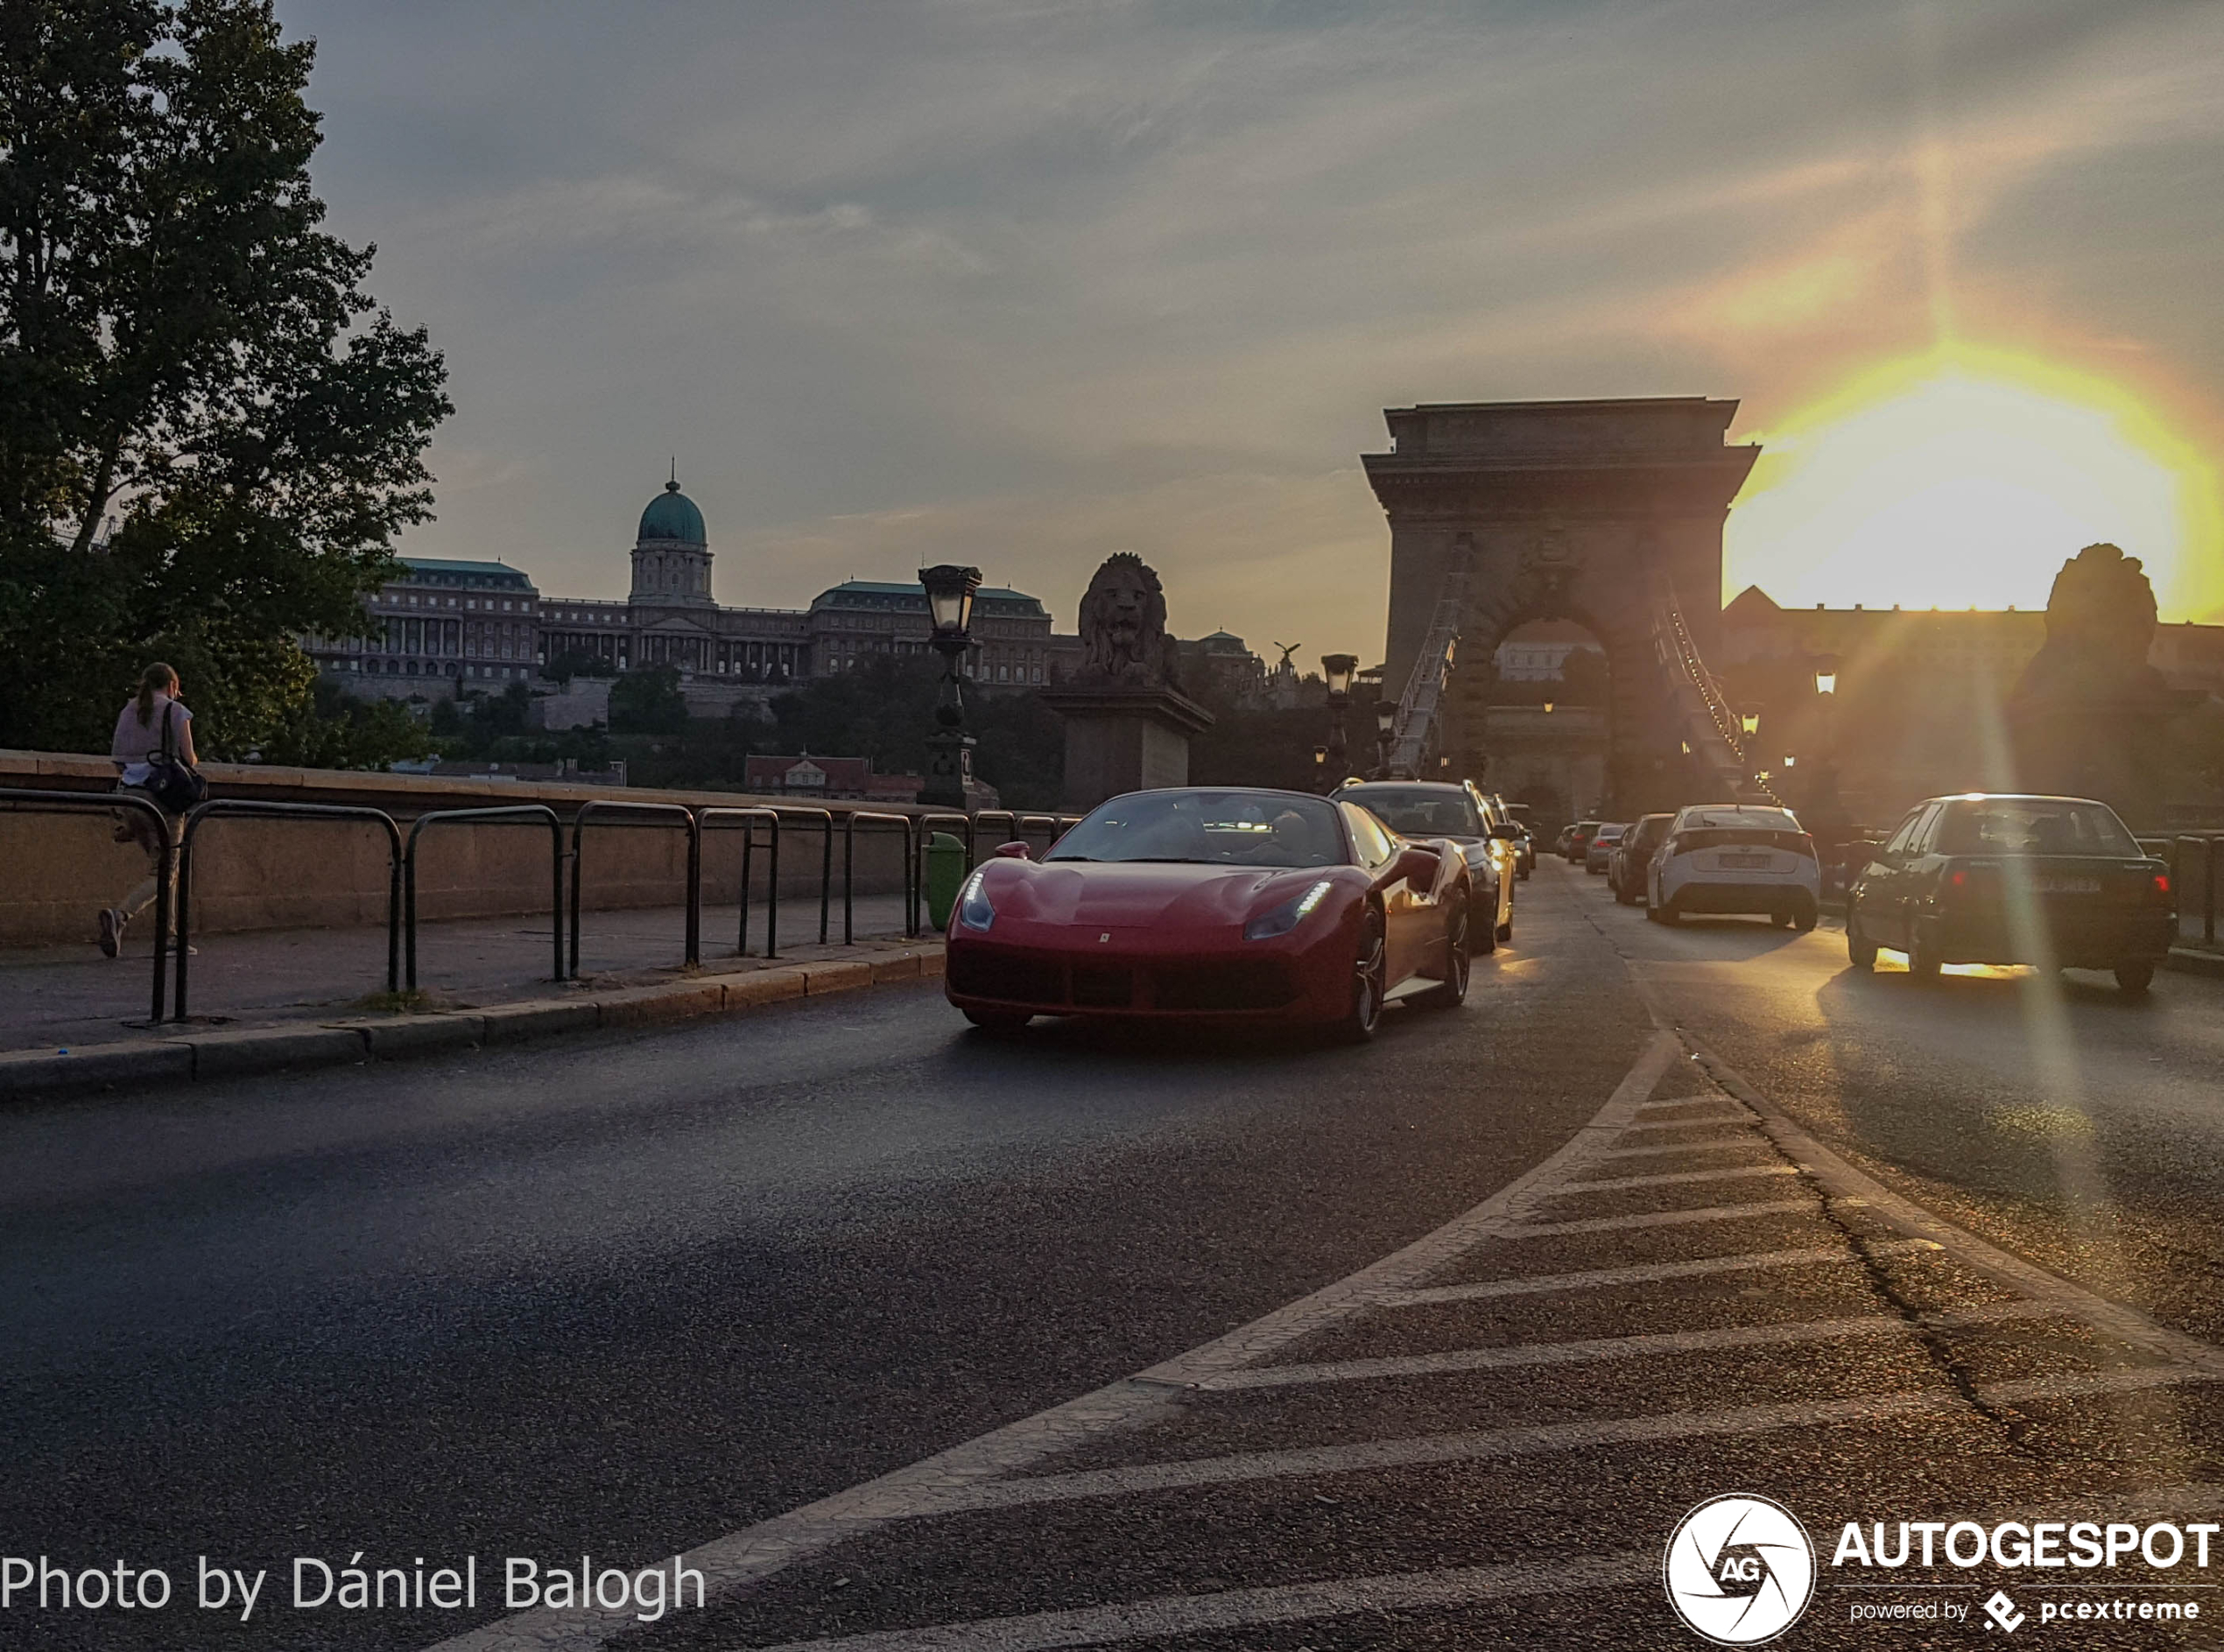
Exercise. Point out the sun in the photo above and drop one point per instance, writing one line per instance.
(1964, 477)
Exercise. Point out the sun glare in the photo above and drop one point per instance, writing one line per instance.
(1965, 477)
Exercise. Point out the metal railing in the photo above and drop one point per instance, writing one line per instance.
(749, 817)
(2208, 849)
(666, 813)
(175, 864)
(255, 809)
(166, 857)
(848, 869)
(505, 814)
(825, 817)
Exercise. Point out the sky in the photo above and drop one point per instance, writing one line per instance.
(1022, 282)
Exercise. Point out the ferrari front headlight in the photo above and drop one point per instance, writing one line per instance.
(1288, 916)
(973, 910)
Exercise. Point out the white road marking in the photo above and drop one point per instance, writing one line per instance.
(1168, 1616)
(1530, 1439)
(1665, 1218)
(1643, 1273)
(1714, 1122)
(1588, 1350)
(1670, 1179)
(1745, 1138)
(754, 1552)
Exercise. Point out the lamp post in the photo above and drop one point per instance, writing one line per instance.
(1385, 733)
(949, 748)
(1826, 815)
(1337, 669)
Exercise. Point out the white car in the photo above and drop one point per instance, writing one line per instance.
(1735, 857)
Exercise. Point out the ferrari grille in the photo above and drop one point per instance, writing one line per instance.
(1047, 981)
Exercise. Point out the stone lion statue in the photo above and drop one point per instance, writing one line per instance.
(1124, 623)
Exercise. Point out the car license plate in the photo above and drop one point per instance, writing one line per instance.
(2066, 885)
(1744, 859)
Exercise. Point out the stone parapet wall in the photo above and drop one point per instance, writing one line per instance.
(57, 870)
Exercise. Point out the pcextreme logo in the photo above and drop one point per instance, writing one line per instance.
(1739, 1569)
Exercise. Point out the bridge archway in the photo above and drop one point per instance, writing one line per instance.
(1608, 513)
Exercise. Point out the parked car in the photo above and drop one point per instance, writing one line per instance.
(1601, 845)
(1627, 872)
(1578, 841)
(1565, 836)
(1212, 905)
(1992, 878)
(1428, 810)
(1525, 845)
(1735, 857)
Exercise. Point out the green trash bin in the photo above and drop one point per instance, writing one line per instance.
(944, 876)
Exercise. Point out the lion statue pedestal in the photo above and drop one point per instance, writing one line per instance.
(1128, 724)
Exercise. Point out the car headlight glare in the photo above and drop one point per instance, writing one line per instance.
(1288, 916)
(973, 910)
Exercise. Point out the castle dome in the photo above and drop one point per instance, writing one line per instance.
(673, 515)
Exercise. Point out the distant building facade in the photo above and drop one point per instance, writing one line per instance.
(1919, 704)
(452, 628)
(805, 776)
(1537, 652)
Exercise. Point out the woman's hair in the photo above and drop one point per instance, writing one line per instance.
(157, 679)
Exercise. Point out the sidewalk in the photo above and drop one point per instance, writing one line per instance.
(58, 997)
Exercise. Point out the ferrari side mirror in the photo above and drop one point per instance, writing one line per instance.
(1013, 852)
(1417, 866)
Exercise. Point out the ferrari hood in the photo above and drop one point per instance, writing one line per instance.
(1113, 895)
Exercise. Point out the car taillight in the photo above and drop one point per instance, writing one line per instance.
(1804, 847)
(2160, 887)
(1972, 880)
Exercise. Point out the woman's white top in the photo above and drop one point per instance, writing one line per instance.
(136, 742)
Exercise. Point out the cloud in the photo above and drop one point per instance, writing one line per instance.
(1028, 281)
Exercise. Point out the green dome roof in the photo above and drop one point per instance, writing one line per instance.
(672, 515)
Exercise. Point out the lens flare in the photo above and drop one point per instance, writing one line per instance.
(1964, 477)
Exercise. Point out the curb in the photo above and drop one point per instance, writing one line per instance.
(207, 1056)
(2193, 962)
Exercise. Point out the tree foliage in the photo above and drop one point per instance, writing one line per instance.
(186, 353)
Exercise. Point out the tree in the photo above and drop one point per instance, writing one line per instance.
(647, 703)
(185, 353)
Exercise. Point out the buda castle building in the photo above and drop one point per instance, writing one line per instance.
(477, 626)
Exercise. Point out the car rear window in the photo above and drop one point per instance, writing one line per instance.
(1418, 811)
(2032, 826)
(1688, 841)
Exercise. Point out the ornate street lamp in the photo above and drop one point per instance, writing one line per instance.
(1750, 722)
(1386, 734)
(1827, 678)
(1338, 670)
(949, 748)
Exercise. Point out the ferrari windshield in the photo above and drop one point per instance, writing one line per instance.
(1419, 811)
(1231, 828)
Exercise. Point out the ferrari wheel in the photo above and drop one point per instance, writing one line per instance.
(1481, 938)
(2133, 976)
(996, 1023)
(1370, 982)
(1454, 990)
(1505, 930)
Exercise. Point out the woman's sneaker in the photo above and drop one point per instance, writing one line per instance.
(112, 922)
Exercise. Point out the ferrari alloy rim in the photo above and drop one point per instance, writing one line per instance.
(1456, 939)
(1370, 977)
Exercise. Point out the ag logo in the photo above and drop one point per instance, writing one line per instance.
(1739, 1570)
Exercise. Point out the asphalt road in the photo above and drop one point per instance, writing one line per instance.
(625, 1296)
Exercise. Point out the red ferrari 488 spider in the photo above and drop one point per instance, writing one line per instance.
(1203, 903)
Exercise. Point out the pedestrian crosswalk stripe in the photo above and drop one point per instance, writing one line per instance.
(1664, 1219)
(1590, 1349)
(1643, 1273)
(1530, 1439)
(1670, 1179)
